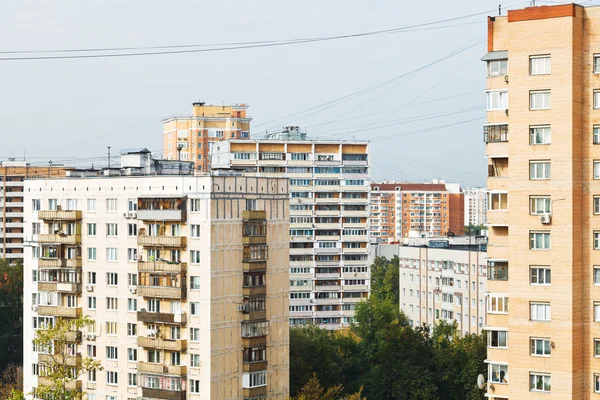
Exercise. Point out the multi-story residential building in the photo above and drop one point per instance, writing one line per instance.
(190, 137)
(186, 278)
(400, 210)
(476, 204)
(329, 209)
(441, 281)
(12, 174)
(543, 176)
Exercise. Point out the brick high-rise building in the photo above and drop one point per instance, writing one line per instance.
(543, 147)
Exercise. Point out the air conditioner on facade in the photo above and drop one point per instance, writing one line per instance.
(546, 218)
(242, 308)
(126, 215)
(90, 336)
(133, 215)
(132, 290)
(89, 288)
(34, 308)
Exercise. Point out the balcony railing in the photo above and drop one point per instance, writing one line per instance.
(161, 215)
(73, 385)
(59, 238)
(166, 241)
(158, 343)
(161, 266)
(64, 215)
(70, 360)
(59, 262)
(495, 133)
(254, 215)
(161, 368)
(167, 292)
(59, 311)
(165, 318)
(148, 393)
(66, 287)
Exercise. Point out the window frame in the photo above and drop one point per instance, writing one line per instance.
(547, 311)
(533, 241)
(534, 379)
(547, 274)
(503, 100)
(547, 64)
(546, 345)
(547, 170)
(546, 100)
(547, 135)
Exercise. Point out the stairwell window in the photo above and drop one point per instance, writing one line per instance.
(539, 65)
(539, 240)
(540, 169)
(596, 169)
(539, 311)
(596, 134)
(540, 134)
(539, 100)
(596, 240)
(539, 382)
(597, 348)
(596, 274)
(597, 98)
(596, 383)
(497, 100)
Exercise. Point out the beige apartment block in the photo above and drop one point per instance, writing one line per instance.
(186, 278)
(189, 138)
(446, 283)
(543, 147)
(329, 210)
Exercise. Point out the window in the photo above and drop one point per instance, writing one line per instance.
(497, 68)
(596, 383)
(498, 202)
(112, 279)
(132, 230)
(195, 231)
(596, 99)
(596, 240)
(132, 305)
(540, 276)
(112, 378)
(111, 254)
(132, 355)
(91, 302)
(132, 204)
(91, 378)
(539, 100)
(194, 386)
(497, 304)
(540, 134)
(596, 275)
(111, 205)
(111, 353)
(131, 379)
(195, 256)
(194, 282)
(195, 334)
(52, 204)
(132, 255)
(596, 311)
(496, 271)
(539, 347)
(539, 240)
(596, 169)
(154, 356)
(111, 328)
(497, 339)
(91, 205)
(596, 347)
(497, 100)
(91, 278)
(111, 304)
(539, 382)
(539, 205)
(111, 230)
(497, 373)
(91, 350)
(91, 229)
(194, 308)
(541, 170)
(540, 311)
(91, 254)
(539, 65)
(131, 329)
(254, 379)
(36, 205)
(194, 360)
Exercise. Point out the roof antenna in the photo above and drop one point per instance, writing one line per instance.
(500, 9)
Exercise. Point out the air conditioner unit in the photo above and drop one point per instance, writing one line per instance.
(126, 215)
(546, 218)
(90, 336)
(133, 215)
(89, 288)
(242, 308)
(58, 207)
(132, 290)
(34, 308)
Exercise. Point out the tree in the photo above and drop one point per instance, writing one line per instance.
(385, 279)
(313, 390)
(11, 309)
(61, 364)
(11, 382)
(474, 230)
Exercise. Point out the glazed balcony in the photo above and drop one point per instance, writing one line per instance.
(159, 208)
(59, 238)
(161, 266)
(59, 311)
(248, 291)
(257, 392)
(65, 287)
(164, 241)
(167, 292)
(148, 393)
(161, 368)
(254, 215)
(59, 215)
(166, 344)
(164, 318)
(254, 366)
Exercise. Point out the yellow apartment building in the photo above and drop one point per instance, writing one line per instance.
(543, 147)
(189, 138)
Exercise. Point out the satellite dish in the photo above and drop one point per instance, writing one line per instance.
(480, 381)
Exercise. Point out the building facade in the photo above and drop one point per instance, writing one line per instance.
(476, 205)
(401, 210)
(12, 175)
(189, 138)
(186, 278)
(329, 209)
(542, 135)
(441, 283)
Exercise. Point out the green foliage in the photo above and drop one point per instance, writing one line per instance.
(63, 368)
(474, 230)
(313, 390)
(11, 309)
(15, 395)
(385, 279)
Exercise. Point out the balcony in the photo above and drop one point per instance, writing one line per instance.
(327, 288)
(254, 215)
(59, 238)
(62, 215)
(165, 241)
(254, 266)
(70, 361)
(495, 133)
(166, 292)
(157, 343)
(255, 366)
(160, 215)
(73, 385)
(148, 393)
(165, 318)
(257, 392)
(59, 262)
(254, 240)
(248, 291)
(59, 311)
(65, 287)
(497, 218)
(161, 368)
(161, 266)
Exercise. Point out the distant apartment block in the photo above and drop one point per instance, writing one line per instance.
(189, 138)
(400, 210)
(185, 276)
(12, 175)
(329, 209)
(476, 205)
(441, 281)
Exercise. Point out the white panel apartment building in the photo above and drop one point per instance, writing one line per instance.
(442, 284)
(476, 204)
(186, 278)
(329, 209)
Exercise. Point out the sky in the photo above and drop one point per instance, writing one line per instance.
(424, 121)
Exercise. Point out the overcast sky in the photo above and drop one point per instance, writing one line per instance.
(72, 109)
